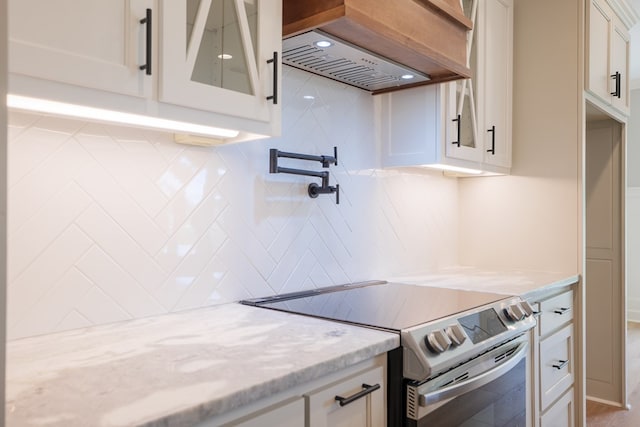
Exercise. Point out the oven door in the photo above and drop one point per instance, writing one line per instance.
(489, 390)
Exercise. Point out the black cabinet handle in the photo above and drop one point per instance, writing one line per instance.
(560, 365)
(617, 77)
(274, 97)
(147, 20)
(368, 389)
(562, 310)
(492, 150)
(457, 142)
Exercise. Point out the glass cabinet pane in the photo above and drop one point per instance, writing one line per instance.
(466, 105)
(215, 28)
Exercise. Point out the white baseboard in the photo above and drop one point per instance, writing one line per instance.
(633, 316)
(605, 402)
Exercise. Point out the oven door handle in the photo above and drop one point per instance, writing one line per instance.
(462, 387)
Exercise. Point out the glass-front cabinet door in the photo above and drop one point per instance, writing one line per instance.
(462, 101)
(479, 108)
(222, 56)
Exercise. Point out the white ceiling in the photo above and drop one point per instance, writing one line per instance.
(634, 64)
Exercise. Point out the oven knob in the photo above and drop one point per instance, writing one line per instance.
(514, 312)
(456, 334)
(437, 341)
(526, 307)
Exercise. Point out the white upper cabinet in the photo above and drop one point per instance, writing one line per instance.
(495, 46)
(222, 56)
(463, 124)
(608, 56)
(479, 109)
(620, 43)
(95, 44)
(203, 67)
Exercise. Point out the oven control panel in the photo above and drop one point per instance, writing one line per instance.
(441, 340)
(439, 345)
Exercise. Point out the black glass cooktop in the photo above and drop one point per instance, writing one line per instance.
(390, 306)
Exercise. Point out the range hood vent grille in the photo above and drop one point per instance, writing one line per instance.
(345, 63)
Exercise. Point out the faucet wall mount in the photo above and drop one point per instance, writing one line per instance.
(314, 189)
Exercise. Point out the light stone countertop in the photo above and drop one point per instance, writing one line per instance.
(523, 283)
(176, 369)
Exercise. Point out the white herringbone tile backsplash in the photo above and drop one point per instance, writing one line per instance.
(109, 223)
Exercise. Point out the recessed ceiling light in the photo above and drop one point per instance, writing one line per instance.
(407, 76)
(323, 43)
(309, 97)
(225, 56)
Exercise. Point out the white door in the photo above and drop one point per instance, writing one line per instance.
(495, 27)
(217, 55)
(98, 44)
(605, 312)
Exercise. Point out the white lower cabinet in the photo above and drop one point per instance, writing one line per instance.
(287, 414)
(562, 413)
(361, 388)
(554, 364)
(362, 402)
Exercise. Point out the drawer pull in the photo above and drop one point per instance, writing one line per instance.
(457, 120)
(274, 61)
(492, 150)
(562, 310)
(368, 389)
(149, 37)
(617, 77)
(561, 365)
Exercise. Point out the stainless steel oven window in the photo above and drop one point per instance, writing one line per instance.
(490, 391)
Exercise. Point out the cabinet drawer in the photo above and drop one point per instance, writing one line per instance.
(555, 312)
(561, 414)
(325, 411)
(287, 415)
(556, 365)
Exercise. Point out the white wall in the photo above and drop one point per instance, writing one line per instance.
(634, 52)
(3, 195)
(633, 254)
(531, 219)
(633, 141)
(109, 223)
(633, 209)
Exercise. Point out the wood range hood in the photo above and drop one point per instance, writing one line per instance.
(427, 36)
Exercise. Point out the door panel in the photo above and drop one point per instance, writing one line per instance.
(98, 44)
(605, 327)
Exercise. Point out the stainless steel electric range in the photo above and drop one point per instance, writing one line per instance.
(462, 359)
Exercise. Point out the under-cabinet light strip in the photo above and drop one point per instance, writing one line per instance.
(454, 169)
(78, 111)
